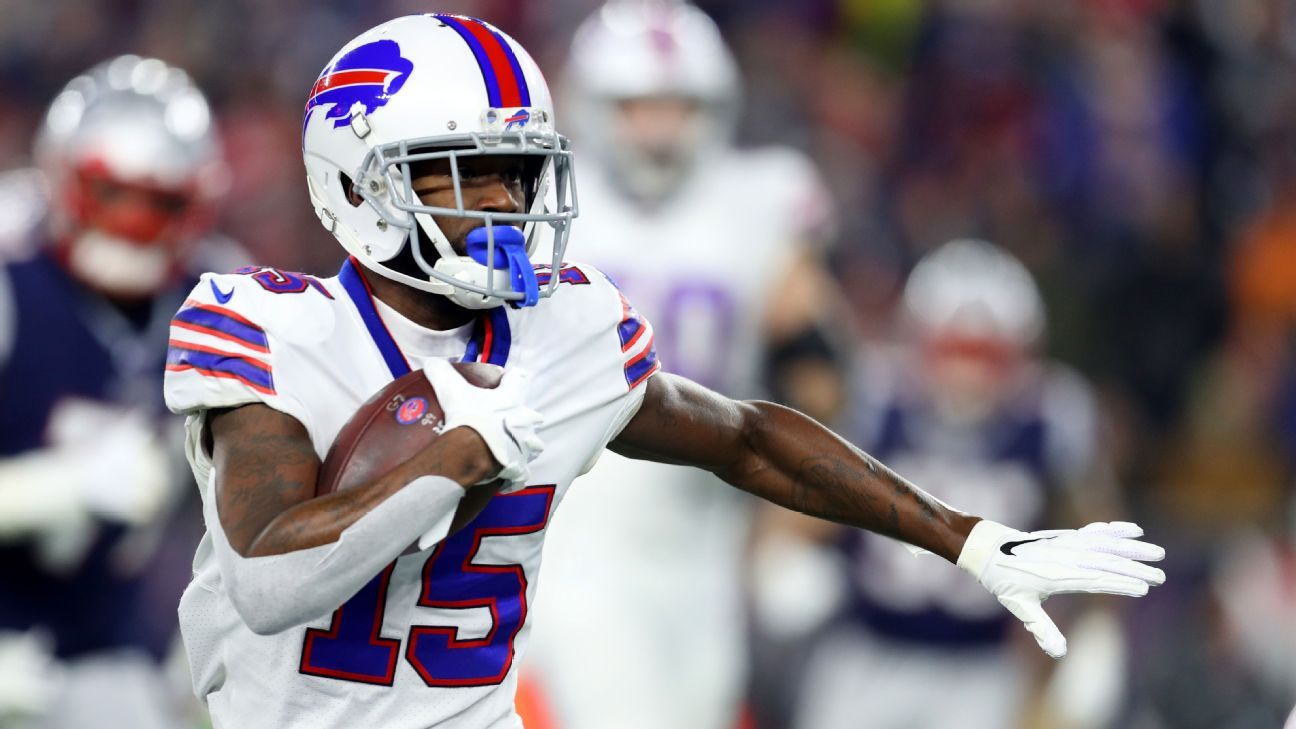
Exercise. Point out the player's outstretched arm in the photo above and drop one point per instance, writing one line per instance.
(787, 458)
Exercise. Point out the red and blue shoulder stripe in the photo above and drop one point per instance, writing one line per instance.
(212, 362)
(220, 326)
(222, 323)
(631, 331)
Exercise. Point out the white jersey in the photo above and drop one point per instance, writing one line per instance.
(432, 640)
(649, 555)
(701, 265)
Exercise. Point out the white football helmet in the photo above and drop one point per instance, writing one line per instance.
(976, 315)
(134, 170)
(427, 87)
(650, 49)
(974, 290)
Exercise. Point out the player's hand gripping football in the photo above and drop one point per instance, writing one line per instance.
(499, 415)
(1023, 569)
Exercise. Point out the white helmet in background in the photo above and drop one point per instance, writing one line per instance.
(436, 87)
(977, 315)
(134, 170)
(650, 51)
(974, 290)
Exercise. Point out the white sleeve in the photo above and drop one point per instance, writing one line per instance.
(275, 593)
(617, 350)
(220, 353)
(639, 359)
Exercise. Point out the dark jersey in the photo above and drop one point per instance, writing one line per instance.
(1008, 467)
(70, 357)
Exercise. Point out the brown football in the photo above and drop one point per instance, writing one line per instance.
(392, 426)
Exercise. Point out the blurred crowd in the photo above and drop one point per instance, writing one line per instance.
(1137, 156)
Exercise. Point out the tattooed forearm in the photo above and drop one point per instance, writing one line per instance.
(851, 491)
(787, 458)
(824, 486)
(459, 454)
(842, 484)
(265, 464)
(901, 488)
(266, 469)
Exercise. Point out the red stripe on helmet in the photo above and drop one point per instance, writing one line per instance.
(347, 78)
(510, 90)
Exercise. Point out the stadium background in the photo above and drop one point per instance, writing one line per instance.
(1138, 155)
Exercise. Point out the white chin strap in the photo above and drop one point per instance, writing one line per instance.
(117, 266)
(455, 267)
(463, 268)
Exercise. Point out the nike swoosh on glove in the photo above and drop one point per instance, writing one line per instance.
(1024, 569)
(499, 415)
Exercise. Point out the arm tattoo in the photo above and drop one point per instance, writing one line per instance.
(841, 483)
(825, 486)
(264, 469)
(831, 488)
(787, 458)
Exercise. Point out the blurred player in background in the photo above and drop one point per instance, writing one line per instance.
(98, 241)
(966, 406)
(719, 247)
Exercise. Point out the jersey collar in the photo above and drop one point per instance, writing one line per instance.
(490, 341)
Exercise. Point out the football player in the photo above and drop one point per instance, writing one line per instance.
(432, 156)
(129, 173)
(654, 95)
(965, 406)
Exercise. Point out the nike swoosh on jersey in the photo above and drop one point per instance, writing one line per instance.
(220, 295)
(1007, 547)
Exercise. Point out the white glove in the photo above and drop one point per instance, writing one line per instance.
(499, 415)
(125, 472)
(119, 471)
(1023, 569)
(29, 677)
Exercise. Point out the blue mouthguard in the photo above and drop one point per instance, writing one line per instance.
(510, 253)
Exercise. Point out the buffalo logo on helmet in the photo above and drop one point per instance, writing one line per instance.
(517, 119)
(369, 75)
